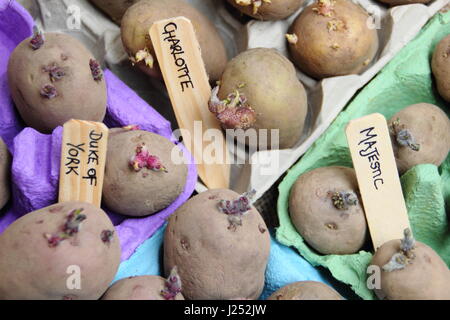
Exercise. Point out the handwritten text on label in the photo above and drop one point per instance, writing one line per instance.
(73, 161)
(177, 52)
(369, 150)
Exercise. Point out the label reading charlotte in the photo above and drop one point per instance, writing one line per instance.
(73, 158)
(370, 152)
(177, 52)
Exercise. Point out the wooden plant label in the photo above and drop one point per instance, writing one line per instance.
(179, 57)
(83, 157)
(379, 183)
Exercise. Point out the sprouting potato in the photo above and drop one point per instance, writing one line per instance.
(140, 17)
(140, 176)
(220, 245)
(146, 288)
(332, 38)
(259, 90)
(441, 67)
(305, 290)
(53, 78)
(420, 134)
(267, 9)
(5, 169)
(69, 250)
(325, 209)
(411, 270)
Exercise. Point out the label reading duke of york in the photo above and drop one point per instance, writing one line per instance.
(84, 156)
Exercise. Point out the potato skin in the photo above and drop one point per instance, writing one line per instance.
(138, 288)
(322, 52)
(324, 227)
(305, 290)
(115, 9)
(276, 10)
(142, 193)
(440, 65)
(430, 127)
(426, 278)
(272, 90)
(31, 269)
(5, 169)
(79, 96)
(140, 17)
(213, 261)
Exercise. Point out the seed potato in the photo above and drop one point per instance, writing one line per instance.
(43, 252)
(332, 38)
(440, 65)
(55, 80)
(260, 90)
(218, 255)
(411, 270)
(5, 169)
(267, 10)
(420, 134)
(140, 17)
(140, 176)
(305, 290)
(141, 288)
(325, 209)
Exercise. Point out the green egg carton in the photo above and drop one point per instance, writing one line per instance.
(406, 80)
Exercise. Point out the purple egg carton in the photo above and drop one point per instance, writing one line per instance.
(36, 156)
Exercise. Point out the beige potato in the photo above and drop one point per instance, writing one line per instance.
(56, 82)
(115, 9)
(267, 10)
(332, 38)
(218, 255)
(305, 290)
(326, 210)
(140, 17)
(5, 172)
(420, 134)
(43, 253)
(270, 97)
(139, 288)
(140, 176)
(440, 65)
(411, 270)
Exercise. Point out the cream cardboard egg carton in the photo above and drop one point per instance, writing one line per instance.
(260, 170)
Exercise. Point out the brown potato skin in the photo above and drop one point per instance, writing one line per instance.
(306, 290)
(426, 278)
(277, 10)
(403, 2)
(314, 54)
(138, 288)
(142, 193)
(5, 172)
(272, 90)
(79, 95)
(115, 9)
(440, 65)
(430, 127)
(311, 209)
(213, 261)
(140, 17)
(31, 269)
